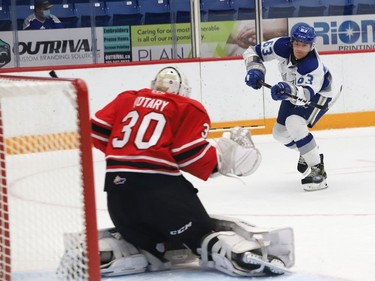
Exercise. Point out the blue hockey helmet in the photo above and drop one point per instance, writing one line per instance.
(303, 33)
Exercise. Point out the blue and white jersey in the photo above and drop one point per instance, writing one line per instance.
(32, 23)
(309, 73)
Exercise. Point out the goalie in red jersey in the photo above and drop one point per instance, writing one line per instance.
(149, 137)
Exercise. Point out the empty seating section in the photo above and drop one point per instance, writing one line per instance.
(79, 13)
(88, 11)
(365, 8)
(124, 13)
(311, 11)
(155, 11)
(340, 10)
(66, 14)
(181, 9)
(281, 12)
(217, 10)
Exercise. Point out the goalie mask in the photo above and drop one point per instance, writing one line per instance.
(171, 80)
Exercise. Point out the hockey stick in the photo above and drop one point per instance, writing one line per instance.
(309, 103)
(53, 74)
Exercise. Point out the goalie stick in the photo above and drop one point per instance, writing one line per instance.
(309, 103)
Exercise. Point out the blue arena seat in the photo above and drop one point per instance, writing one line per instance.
(124, 13)
(217, 10)
(311, 11)
(365, 8)
(57, 2)
(154, 6)
(155, 11)
(246, 13)
(249, 4)
(181, 9)
(157, 18)
(280, 12)
(245, 9)
(83, 11)
(66, 14)
(272, 3)
(78, 1)
(221, 15)
(23, 2)
(5, 21)
(22, 12)
(341, 10)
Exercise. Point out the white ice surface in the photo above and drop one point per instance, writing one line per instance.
(334, 228)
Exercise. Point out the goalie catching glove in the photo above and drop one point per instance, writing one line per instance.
(237, 154)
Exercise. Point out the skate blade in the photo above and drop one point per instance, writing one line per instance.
(315, 186)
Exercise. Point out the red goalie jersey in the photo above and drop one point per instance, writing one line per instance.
(154, 132)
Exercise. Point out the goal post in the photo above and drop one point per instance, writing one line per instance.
(47, 188)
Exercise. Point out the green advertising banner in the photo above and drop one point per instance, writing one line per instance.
(117, 44)
(154, 42)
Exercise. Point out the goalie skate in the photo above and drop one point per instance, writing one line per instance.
(272, 267)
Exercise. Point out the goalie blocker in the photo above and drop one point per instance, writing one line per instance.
(236, 248)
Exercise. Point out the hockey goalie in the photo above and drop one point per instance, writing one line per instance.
(232, 246)
(149, 138)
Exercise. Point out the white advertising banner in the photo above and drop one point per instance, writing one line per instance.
(341, 33)
(54, 47)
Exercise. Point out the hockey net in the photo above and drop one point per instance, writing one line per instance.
(47, 193)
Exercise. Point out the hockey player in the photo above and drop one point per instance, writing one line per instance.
(304, 78)
(149, 137)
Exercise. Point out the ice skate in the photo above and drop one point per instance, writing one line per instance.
(302, 165)
(316, 180)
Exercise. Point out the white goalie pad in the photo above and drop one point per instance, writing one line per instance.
(238, 248)
(278, 242)
(118, 257)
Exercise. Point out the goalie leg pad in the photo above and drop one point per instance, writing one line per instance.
(279, 242)
(223, 250)
(119, 257)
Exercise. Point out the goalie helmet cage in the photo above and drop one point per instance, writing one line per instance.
(47, 184)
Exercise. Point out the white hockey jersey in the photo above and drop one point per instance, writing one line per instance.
(309, 73)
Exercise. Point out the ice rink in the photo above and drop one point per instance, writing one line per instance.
(334, 228)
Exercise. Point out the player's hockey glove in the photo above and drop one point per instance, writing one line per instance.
(255, 72)
(253, 78)
(281, 90)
